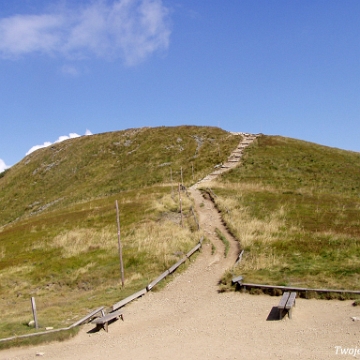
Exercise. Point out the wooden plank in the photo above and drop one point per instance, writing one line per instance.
(34, 334)
(197, 247)
(237, 279)
(239, 257)
(284, 300)
(291, 301)
(175, 266)
(293, 288)
(130, 298)
(87, 317)
(157, 280)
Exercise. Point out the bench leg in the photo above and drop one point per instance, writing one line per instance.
(284, 312)
(290, 310)
(106, 327)
(281, 313)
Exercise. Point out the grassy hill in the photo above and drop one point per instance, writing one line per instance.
(58, 235)
(295, 207)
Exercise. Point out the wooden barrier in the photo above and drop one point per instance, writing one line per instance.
(119, 304)
(197, 247)
(157, 280)
(237, 262)
(88, 316)
(34, 334)
(175, 266)
(130, 298)
(295, 288)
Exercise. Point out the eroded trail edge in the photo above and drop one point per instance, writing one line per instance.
(209, 217)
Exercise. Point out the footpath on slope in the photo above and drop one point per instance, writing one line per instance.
(190, 319)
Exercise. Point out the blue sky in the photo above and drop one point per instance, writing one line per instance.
(278, 67)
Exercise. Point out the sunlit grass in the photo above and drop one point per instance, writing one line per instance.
(295, 213)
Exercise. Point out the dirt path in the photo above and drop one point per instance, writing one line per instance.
(189, 319)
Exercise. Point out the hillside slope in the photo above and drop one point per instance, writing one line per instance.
(58, 239)
(105, 164)
(189, 319)
(295, 207)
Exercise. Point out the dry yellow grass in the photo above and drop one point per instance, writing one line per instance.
(262, 261)
(239, 187)
(249, 229)
(77, 241)
(165, 240)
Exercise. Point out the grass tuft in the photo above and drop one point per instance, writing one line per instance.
(225, 241)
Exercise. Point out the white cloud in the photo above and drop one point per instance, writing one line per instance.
(66, 137)
(60, 139)
(22, 34)
(36, 147)
(3, 166)
(126, 29)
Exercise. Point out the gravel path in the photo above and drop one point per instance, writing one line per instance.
(189, 319)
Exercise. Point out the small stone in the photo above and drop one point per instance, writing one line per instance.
(49, 328)
(40, 354)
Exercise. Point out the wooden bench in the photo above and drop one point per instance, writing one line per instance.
(286, 304)
(103, 322)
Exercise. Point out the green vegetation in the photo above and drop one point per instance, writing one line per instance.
(295, 208)
(225, 241)
(293, 205)
(58, 232)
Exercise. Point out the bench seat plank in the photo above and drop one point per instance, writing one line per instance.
(283, 300)
(291, 301)
(237, 279)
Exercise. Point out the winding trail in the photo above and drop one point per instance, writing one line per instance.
(190, 319)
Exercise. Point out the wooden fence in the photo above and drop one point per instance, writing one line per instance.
(119, 304)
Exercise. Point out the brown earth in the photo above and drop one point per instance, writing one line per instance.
(190, 319)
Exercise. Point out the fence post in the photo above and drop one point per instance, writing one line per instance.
(119, 244)
(33, 306)
(181, 214)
